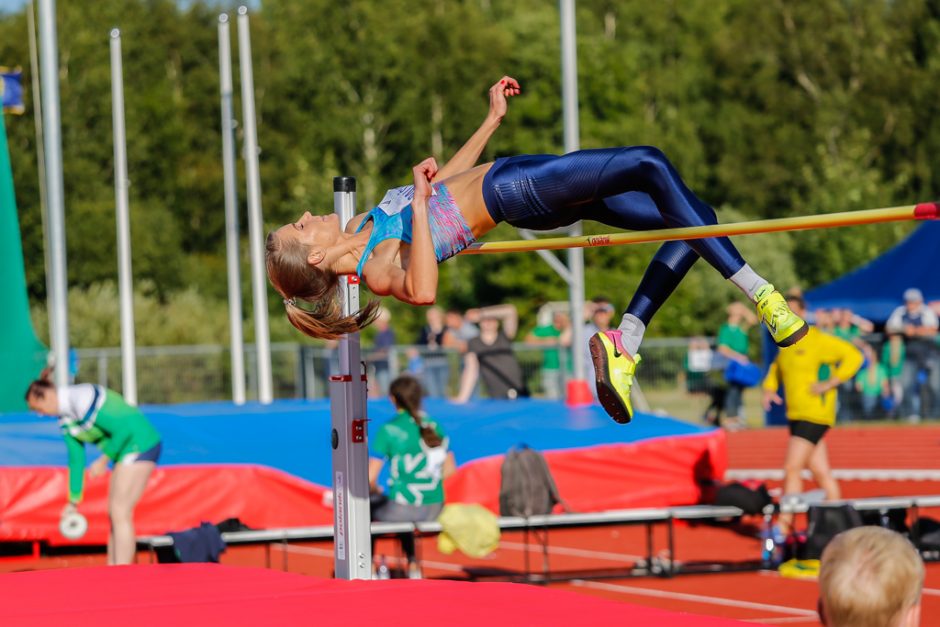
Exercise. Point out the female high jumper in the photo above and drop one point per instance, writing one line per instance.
(395, 247)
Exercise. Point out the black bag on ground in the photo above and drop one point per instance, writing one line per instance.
(750, 500)
(893, 519)
(527, 487)
(927, 533)
(825, 523)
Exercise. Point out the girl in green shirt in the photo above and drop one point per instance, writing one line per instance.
(416, 448)
(92, 414)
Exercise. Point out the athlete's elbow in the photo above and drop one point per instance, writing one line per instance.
(423, 298)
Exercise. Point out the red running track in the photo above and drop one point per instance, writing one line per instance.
(912, 447)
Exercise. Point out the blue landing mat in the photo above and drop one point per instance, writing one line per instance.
(293, 436)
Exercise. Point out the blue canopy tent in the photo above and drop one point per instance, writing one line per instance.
(875, 289)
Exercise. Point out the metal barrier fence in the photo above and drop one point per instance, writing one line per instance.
(179, 374)
(675, 377)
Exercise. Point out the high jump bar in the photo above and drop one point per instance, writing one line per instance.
(922, 211)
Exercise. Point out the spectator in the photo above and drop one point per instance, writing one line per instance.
(892, 358)
(490, 357)
(733, 344)
(553, 336)
(698, 361)
(417, 452)
(870, 577)
(436, 367)
(845, 327)
(850, 327)
(918, 324)
(382, 344)
(824, 320)
(600, 313)
(872, 383)
(459, 330)
(809, 374)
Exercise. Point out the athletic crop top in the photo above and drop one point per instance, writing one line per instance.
(450, 232)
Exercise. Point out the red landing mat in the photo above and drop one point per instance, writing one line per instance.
(204, 594)
(177, 497)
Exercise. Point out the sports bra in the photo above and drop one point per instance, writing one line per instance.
(391, 219)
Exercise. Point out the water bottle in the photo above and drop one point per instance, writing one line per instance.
(772, 546)
(383, 572)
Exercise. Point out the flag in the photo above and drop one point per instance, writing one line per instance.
(11, 90)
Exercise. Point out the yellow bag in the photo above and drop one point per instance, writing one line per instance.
(799, 569)
(472, 529)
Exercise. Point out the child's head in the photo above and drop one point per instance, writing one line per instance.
(42, 398)
(406, 394)
(870, 577)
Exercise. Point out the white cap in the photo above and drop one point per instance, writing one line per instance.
(913, 294)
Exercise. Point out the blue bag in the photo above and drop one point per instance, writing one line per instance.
(746, 375)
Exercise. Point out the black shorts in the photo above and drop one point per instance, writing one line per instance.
(808, 430)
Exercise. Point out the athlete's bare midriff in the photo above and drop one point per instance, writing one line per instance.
(467, 189)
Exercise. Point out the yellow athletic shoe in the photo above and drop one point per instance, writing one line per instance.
(613, 371)
(785, 327)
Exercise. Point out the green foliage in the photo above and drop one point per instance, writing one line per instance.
(773, 108)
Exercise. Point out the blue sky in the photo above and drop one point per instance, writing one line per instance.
(9, 6)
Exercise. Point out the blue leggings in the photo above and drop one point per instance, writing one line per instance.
(633, 188)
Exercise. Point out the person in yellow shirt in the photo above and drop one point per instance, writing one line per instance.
(811, 373)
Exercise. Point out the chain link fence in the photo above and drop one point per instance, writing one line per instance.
(180, 374)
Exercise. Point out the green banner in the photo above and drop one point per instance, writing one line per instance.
(22, 355)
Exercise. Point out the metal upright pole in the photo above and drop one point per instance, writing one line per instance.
(40, 155)
(231, 214)
(55, 194)
(255, 234)
(569, 86)
(349, 439)
(125, 281)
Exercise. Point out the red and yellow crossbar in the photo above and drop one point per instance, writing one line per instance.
(922, 211)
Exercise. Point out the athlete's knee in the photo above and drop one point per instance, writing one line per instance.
(652, 158)
(793, 467)
(120, 512)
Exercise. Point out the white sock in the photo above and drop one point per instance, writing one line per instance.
(632, 330)
(748, 281)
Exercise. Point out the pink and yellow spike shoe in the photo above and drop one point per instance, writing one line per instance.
(614, 370)
(785, 327)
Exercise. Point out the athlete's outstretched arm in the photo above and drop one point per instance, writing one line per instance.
(470, 152)
(417, 284)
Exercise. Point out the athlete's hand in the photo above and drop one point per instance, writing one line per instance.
(821, 387)
(99, 467)
(506, 88)
(770, 397)
(68, 509)
(424, 173)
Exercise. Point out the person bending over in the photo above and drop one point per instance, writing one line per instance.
(395, 247)
(870, 577)
(92, 414)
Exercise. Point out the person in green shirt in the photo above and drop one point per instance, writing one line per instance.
(416, 450)
(92, 414)
(872, 383)
(893, 355)
(733, 343)
(555, 337)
